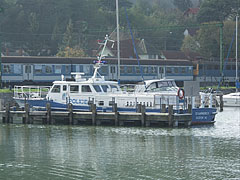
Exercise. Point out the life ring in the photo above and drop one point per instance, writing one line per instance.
(180, 93)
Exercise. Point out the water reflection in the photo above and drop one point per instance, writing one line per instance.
(75, 152)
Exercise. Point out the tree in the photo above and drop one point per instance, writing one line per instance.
(183, 5)
(71, 52)
(190, 44)
(68, 38)
(217, 10)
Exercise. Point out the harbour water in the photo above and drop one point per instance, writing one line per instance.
(85, 152)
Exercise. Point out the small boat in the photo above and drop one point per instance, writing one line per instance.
(82, 92)
(232, 99)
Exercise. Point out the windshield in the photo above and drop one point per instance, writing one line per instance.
(162, 86)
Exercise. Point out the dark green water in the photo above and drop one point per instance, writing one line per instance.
(35, 152)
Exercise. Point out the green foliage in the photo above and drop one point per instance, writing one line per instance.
(68, 28)
(71, 52)
(217, 10)
(190, 45)
(183, 5)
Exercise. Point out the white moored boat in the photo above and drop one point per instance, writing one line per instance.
(232, 99)
(81, 92)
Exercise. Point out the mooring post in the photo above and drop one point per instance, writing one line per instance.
(163, 108)
(7, 113)
(94, 113)
(139, 108)
(70, 113)
(48, 108)
(115, 114)
(170, 115)
(188, 123)
(143, 110)
(26, 108)
(221, 103)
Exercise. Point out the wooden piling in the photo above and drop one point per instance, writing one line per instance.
(116, 120)
(48, 108)
(221, 103)
(94, 113)
(70, 111)
(143, 111)
(170, 115)
(27, 109)
(163, 108)
(7, 113)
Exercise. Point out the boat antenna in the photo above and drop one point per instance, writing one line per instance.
(135, 51)
(101, 56)
(237, 83)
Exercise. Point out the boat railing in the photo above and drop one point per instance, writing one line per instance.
(31, 92)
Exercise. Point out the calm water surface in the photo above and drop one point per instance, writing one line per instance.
(78, 152)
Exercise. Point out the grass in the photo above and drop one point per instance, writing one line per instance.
(6, 90)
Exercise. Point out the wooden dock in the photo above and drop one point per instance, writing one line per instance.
(115, 118)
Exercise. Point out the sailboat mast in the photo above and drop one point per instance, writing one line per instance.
(236, 50)
(118, 43)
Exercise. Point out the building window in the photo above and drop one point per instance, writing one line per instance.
(104, 70)
(48, 69)
(122, 70)
(113, 69)
(169, 70)
(38, 69)
(152, 70)
(129, 69)
(17, 68)
(138, 70)
(145, 70)
(7, 69)
(176, 70)
(183, 70)
(67, 69)
(58, 69)
(161, 70)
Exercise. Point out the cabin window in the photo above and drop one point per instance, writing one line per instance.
(38, 69)
(56, 89)
(6, 69)
(86, 88)
(104, 88)
(58, 69)
(48, 69)
(64, 87)
(74, 89)
(97, 88)
(114, 88)
(17, 69)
